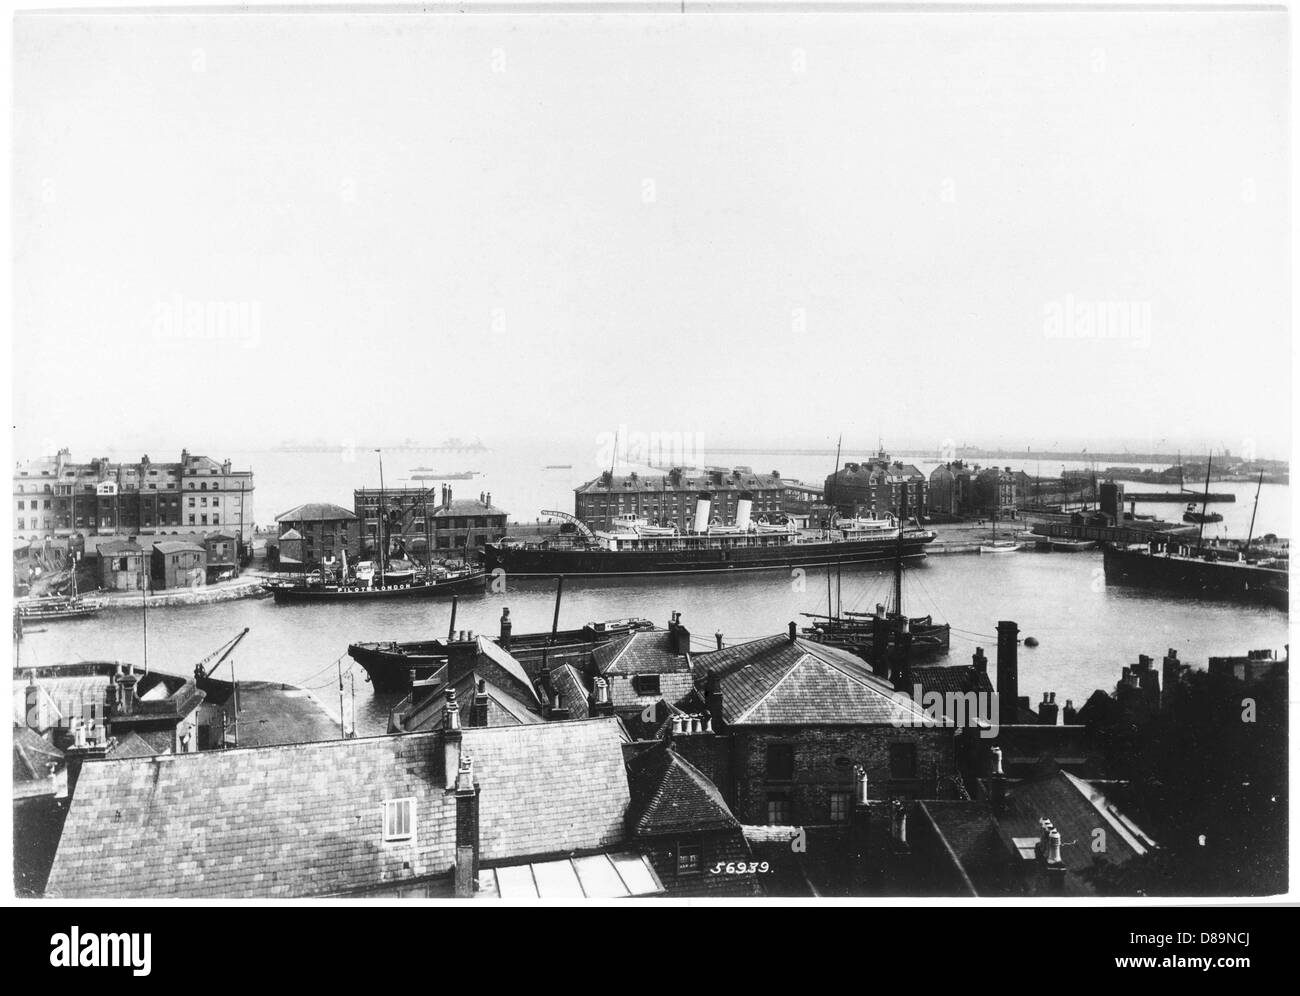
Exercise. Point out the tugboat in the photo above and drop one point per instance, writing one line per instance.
(368, 584)
(1200, 518)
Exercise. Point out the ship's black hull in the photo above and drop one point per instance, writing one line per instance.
(586, 562)
(292, 594)
(390, 664)
(1197, 578)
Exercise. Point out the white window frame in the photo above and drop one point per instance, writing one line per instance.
(390, 807)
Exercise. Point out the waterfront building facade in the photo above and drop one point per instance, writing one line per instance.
(878, 485)
(669, 499)
(415, 518)
(54, 497)
(316, 533)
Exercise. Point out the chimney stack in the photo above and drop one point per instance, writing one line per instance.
(679, 637)
(718, 636)
(451, 740)
(794, 631)
(1008, 672)
(558, 709)
(1047, 710)
(506, 626)
(713, 698)
(478, 713)
(600, 703)
(467, 829)
(1069, 715)
(980, 662)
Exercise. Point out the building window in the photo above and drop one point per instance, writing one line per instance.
(690, 857)
(778, 808)
(841, 805)
(645, 684)
(780, 762)
(902, 760)
(399, 823)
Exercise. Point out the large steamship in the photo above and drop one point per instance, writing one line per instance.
(634, 546)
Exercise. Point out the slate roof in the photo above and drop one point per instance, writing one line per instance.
(567, 683)
(306, 819)
(504, 709)
(33, 755)
(968, 834)
(731, 481)
(784, 682)
(670, 795)
(131, 744)
(316, 512)
(1076, 808)
(644, 652)
(949, 678)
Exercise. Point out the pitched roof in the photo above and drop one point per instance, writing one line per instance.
(1077, 809)
(568, 684)
(779, 681)
(489, 655)
(33, 755)
(306, 819)
(291, 534)
(316, 512)
(131, 744)
(968, 836)
(178, 546)
(945, 678)
(645, 652)
(670, 795)
(120, 546)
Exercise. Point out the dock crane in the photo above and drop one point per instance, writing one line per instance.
(224, 651)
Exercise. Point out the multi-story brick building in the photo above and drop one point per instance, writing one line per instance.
(317, 533)
(57, 498)
(878, 485)
(415, 517)
(669, 499)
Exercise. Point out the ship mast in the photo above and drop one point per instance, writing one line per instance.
(379, 520)
(1205, 499)
(1251, 535)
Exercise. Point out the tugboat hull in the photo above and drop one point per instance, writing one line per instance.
(292, 594)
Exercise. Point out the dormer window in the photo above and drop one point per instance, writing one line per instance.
(399, 819)
(645, 684)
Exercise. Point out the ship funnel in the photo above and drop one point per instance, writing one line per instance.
(743, 504)
(703, 505)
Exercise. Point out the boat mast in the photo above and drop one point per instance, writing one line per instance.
(1251, 535)
(835, 473)
(898, 570)
(379, 520)
(1205, 499)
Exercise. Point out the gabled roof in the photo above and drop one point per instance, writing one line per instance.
(291, 534)
(316, 512)
(120, 546)
(568, 683)
(783, 682)
(131, 744)
(968, 838)
(645, 652)
(504, 708)
(489, 654)
(306, 819)
(670, 795)
(33, 755)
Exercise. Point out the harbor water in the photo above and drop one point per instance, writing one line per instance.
(1086, 630)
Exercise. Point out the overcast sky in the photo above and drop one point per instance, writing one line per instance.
(760, 228)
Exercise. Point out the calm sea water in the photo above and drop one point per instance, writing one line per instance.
(1087, 631)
